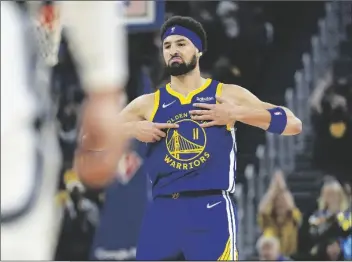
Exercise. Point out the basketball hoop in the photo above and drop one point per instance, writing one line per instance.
(48, 32)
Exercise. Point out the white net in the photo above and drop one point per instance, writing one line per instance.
(46, 26)
(48, 29)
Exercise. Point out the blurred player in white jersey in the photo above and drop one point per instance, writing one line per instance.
(30, 159)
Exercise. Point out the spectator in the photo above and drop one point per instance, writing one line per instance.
(228, 67)
(331, 251)
(81, 216)
(332, 199)
(268, 248)
(331, 222)
(334, 252)
(333, 131)
(278, 216)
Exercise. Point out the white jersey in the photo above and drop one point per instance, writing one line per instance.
(28, 224)
(30, 159)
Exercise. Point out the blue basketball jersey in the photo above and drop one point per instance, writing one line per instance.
(190, 158)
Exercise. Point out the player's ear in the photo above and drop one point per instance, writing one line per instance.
(199, 54)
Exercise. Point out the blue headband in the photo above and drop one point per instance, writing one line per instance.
(179, 30)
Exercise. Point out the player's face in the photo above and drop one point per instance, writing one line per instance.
(179, 55)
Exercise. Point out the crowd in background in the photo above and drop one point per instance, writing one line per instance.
(256, 45)
(324, 232)
(332, 115)
(327, 236)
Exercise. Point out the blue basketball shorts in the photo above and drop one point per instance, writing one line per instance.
(197, 226)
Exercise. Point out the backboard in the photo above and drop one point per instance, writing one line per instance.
(142, 16)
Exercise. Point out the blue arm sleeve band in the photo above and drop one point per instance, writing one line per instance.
(278, 120)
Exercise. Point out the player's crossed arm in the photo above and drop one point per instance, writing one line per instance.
(238, 104)
(134, 118)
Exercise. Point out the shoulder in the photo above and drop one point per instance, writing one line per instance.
(234, 88)
(238, 93)
(145, 100)
(142, 104)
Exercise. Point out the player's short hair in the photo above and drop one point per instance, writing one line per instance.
(189, 23)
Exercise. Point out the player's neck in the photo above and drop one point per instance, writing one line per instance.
(188, 82)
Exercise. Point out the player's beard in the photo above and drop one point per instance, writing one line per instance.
(178, 69)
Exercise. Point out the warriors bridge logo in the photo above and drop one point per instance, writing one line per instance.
(186, 144)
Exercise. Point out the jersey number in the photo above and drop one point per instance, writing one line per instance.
(195, 133)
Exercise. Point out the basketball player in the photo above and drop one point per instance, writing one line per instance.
(30, 157)
(192, 162)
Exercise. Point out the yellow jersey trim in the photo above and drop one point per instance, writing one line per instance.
(226, 255)
(218, 93)
(219, 90)
(187, 99)
(156, 105)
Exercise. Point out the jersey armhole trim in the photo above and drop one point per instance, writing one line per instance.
(156, 105)
(218, 93)
(219, 90)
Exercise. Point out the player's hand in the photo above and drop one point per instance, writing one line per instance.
(102, 140)
(216, 114)
(100, 121)
(149, 132)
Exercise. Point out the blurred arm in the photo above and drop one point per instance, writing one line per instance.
(276, 184)
(97, 39)
(282, 186)
(315, 99)
(265, 205)
(288, 198)
(18, 140)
